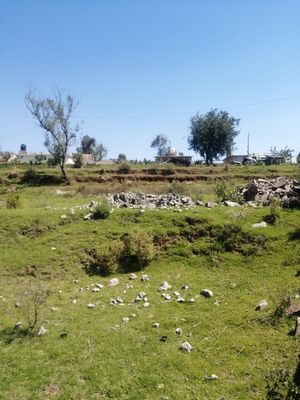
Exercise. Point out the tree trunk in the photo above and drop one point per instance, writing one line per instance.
(63, 172)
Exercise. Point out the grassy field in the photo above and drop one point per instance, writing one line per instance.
(91, 353)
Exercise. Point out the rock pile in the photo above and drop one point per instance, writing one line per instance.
(144, 200)
(263, 191)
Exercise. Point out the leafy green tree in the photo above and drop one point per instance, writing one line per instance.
(286, 152)
(212, 134)
(54, 117)
(121, 157)
(161, 143)
(87, 145)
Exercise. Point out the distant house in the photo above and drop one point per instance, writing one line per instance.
(88, 159)
(271, 160)
(234, 159)
(178, 160)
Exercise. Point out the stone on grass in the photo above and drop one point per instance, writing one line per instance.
(186, 346)
(114, 282)
(185, 287)
(176, 294)
(261, 305)
(91, 305)
(96, 289)
(207, 293)
(178, 331)
(18, 325)
(165, 286)
(211, 377)
(145, 278)
(147, 304)
(180, 299)
(297, 327)
(99, 285)
(166, 296)
(132, 276)
(42, 331)
(125, 320)
(155, 325)
(73, 301)
(261, 224)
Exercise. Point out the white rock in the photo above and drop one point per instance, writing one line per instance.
(18, 325)
(53, 248)
(166, 296)
(96, 289)
(133, 315)
(73, 301)
(165, 286)
(125, 320)
(185, 287)
(129, 286)
(186, 346)
(207, 293)
(145, 278)
(99, 285)
(114, 282)
(261, 305)
(132, 276)
(192, 300)
(178, 331)
(91, 305)
(211, 377)
(42, 331)
(231, 203)
(261, 224)
(88, 216)
(155, 325)
(146, 304)
(176, 294)
(180, 300)
(142, 295)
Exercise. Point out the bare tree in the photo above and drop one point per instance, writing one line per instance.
(54, 117)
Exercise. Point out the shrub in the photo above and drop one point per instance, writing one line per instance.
(225, 191)
(169, 170)
(77, 160)
(124, 168)
(179, 188)
(275, 212)
(104, 260)
(32, 300)
(13, 201)
(138, 250)
(102, 211)
(29, 176)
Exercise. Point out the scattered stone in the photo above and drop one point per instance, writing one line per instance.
(156, 325)
(17, 304)
(185, 287)
(261, 305)
(53, 248)
(211, 377)
(165, 286)
(132, 276)
(91, 305)
(228, 203)
(178, 331)
(180, 299)
(261, 224)
(88, 216)
(192, 300)
(145, 278)
(207, 293)
(163, 338)
(297, 328)
(176, 294)
(186, 346)
(114, 282)
(116, 301)
(129, 286)
(99, 285)
(216, 302)
(146, 305)
(18, 325)
(96, 289)
(125, 320)
(166, 296)
(42, 331)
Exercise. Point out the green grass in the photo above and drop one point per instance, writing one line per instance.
(104, 358)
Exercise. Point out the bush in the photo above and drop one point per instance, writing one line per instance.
(179, 188)
(138, 251)
(105, 259)
(169, 169)
(275, 212)
(102, 211)
(29, 176)
(124, 168)
(13, 201)
(77, 160)
(225, 191)
(32, 300)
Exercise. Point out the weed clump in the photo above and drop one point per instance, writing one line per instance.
(102, 211)
(225, 191)
(124, 168)
(275, 212)
(13, 200)
(132, 252)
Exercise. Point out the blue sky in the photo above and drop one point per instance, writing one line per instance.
(143, 67)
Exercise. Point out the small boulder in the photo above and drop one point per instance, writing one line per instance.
(186, 346)
(261, 305)
(207, 293)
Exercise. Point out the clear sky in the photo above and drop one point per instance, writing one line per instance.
(143, 67)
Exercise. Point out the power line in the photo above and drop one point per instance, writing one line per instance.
(269, 101)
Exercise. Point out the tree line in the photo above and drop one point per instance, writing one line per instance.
(211, 135)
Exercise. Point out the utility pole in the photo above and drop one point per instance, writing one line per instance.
(248, 144)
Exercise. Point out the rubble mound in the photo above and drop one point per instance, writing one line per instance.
(263, 191)
(144, 200)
